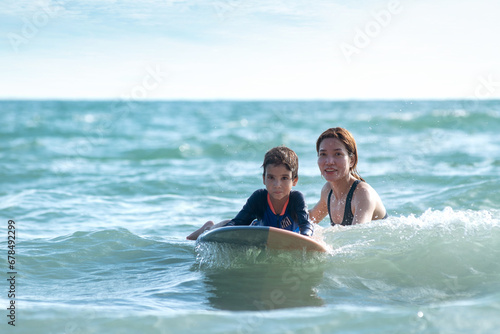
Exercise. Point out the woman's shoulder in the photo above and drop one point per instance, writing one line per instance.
(368, 196)
(326, 189)
(365, 193)
(366, 189)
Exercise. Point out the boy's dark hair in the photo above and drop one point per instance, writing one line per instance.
(282, 155)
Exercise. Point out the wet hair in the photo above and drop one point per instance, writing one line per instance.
(282, 155)
(350, 144)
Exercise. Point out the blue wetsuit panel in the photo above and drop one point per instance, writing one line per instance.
(285, 222)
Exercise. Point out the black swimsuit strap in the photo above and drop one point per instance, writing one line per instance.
(328, 203)
(348, 216)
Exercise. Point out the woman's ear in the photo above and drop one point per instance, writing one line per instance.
(351, 161)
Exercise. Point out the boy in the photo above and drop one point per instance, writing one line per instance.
(277, 205)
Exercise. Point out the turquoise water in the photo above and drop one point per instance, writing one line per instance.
(104, 193)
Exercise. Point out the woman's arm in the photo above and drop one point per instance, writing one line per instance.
(367, 204)
(320, 210)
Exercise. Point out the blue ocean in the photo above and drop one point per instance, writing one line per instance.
(101, 195)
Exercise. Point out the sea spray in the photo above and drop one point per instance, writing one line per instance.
(440, 255)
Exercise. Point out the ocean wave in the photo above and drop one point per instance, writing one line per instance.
(442, 254)
(221, 256)
(98, 251)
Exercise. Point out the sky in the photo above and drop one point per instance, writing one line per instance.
(249, 49)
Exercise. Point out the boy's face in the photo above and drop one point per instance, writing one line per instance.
(278, 181)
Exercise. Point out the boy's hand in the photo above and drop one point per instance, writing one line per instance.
(307, 232)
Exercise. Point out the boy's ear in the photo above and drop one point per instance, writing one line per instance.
(295, 181)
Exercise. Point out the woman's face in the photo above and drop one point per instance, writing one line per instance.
(334, 161)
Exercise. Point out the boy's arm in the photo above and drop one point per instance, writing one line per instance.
(250, 210)
(300, 208)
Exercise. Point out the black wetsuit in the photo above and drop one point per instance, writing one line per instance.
(295, 218)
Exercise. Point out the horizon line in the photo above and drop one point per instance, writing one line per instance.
(111, 99)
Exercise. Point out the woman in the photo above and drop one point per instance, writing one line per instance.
(345, 197)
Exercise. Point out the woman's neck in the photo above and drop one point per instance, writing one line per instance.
(341, 187)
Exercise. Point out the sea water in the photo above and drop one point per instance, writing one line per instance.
(101, 195)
